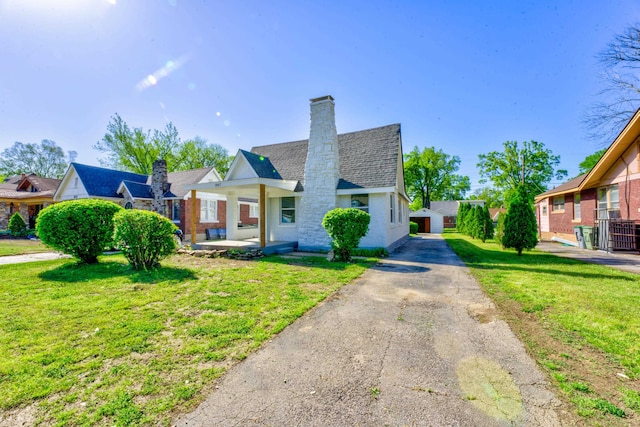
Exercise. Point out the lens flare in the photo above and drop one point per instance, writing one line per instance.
(169, 67)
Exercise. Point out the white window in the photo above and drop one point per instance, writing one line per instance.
(400, 210)
(392, 204)
(558, 204)
(287, 210)
(576, 206)
(254, 212)
(360, 201)
(608, 202)
(175, 210)
(208, 211)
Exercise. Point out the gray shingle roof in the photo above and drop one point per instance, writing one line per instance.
(179, 180)
(368, 158)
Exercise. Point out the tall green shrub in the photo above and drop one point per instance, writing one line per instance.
(461, 226)
(144, 237)
(345, 227)
(499, 233)
(520, 229)
(17, 226)
(81, 228)
(487, 224)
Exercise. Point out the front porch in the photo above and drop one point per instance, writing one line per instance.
(269, 248)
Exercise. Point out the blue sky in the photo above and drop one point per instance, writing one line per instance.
(463, 76)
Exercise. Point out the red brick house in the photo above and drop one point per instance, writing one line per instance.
(163, 192)
(606, 198)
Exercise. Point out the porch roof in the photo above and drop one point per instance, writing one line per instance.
(248, 187)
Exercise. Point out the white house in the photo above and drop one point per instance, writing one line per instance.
(297, 183)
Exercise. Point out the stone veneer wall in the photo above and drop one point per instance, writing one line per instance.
(4, 215)
(321, 175)
(159, 180)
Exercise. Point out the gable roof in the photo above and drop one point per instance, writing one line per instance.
(450, 207)
(368, 158)
(136, 189)
(15, 187)
(102, 182)
(178, 181)
(573, 185)
(261, 165)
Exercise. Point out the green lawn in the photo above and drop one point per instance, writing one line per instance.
(580, 321)
(102, 344)
(22, 246)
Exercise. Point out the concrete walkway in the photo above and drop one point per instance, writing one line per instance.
(413, 342)
(626, 261)
(42, 256)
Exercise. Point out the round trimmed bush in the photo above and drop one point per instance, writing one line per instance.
(144, 237)
(413, 227)
(345, 226)
(80, 228)
(17, 226)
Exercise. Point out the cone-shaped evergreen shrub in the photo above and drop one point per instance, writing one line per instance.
(17, 226)
(345, 227)
(520, 229)
(500, 229)
(144, 237)
(487, 224)
(80, 228)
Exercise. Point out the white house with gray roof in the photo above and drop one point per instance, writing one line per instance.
(298, 182)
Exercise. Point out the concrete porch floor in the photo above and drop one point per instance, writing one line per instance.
(278, 246)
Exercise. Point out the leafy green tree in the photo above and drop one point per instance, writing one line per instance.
(80, 228)
(590, 161)
(530, 166)
(493, 198)
(520, 228)
(430, 175)
(345, 227)
(144, 237)
(135, 150)
(46, 159)
(499, 232)
(196, 153)
(17, 226)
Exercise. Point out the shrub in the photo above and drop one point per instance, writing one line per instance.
(413, 227)
(144, 237)
(520, 229)
(499, 232)
(80, 228)
(487, 225)
(17, 226)
(345, 227)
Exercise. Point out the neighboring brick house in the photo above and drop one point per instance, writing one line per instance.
(449, 210)
(27, 194)
(297, 183)
(163, 192)
(607, 197)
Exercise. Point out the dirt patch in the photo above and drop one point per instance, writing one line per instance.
(25, 416)
(482, 313)
(577, 362)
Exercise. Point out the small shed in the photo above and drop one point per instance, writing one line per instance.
(428, 221)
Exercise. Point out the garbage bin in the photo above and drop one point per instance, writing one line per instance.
(587, 236)
(579, 236)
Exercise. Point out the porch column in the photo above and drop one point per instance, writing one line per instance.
(194, 205)
(262, 208)
(232, 216)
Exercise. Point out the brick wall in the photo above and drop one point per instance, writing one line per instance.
(185, 217)
(630, 197)
(245, 218)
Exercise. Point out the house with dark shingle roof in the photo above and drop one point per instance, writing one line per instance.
(27, 194)
(297, 183)
(606, 200)
(163, 192)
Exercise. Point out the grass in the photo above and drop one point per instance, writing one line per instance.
(102, 344)
(579, 320)
(21, 247)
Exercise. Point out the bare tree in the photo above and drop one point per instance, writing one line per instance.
(620, 97)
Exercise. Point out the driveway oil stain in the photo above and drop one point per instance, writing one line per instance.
(490, 388)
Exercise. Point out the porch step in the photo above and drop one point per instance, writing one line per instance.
(286, 250)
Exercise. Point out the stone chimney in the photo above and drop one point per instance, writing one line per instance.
(159, 185)
(321, 174)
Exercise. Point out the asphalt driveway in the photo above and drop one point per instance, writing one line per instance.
(413, 342)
